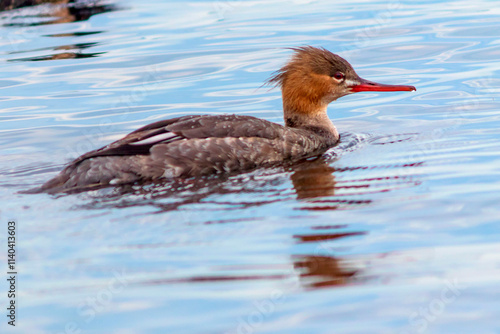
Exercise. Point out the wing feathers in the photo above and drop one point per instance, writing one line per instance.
(158, 138)
(142, 140)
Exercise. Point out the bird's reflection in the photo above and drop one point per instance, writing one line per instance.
(72, 51)
(13, 4)
(314, 187)
(65, 11)
(310, 179)
(320, 271)
(313, 179)
(61, 11)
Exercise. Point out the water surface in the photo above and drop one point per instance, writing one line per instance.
(393, 231)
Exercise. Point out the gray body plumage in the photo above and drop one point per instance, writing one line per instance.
(192, 146)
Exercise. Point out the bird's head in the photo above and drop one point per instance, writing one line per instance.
(314, 77)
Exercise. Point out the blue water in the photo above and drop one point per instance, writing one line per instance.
(394, 231)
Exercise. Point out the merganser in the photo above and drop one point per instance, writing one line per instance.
(199, 145)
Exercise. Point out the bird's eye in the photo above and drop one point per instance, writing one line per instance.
(339, 76)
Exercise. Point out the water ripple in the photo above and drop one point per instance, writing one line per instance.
(405, 206)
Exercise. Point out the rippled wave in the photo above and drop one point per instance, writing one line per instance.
(369, 238)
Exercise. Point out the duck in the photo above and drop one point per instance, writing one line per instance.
(199, 145)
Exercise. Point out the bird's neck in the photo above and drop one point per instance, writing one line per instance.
(305, 99)
(308, 115)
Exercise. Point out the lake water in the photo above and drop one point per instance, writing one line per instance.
(394, 231)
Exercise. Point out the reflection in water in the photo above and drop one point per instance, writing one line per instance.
(324, 237)
(314, 179)
(77, 46)
(13, 4)
(314, 183)
(65, 11)
(172, 195)
(65, 55)
(75, 34)
(323, 271)
(310, 179)
(317, 271)
(317, 180)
